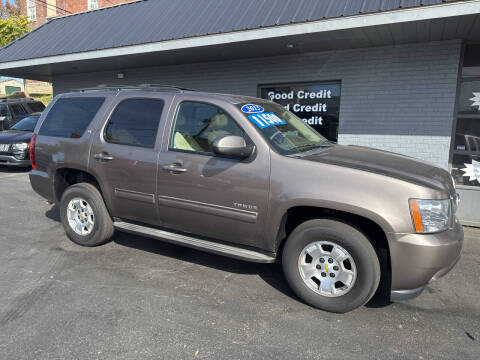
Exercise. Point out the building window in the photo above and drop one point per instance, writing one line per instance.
(31, 10)
(466, 137)
(317, 104)
(92, 4)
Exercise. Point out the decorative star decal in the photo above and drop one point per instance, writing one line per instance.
(472, 171)
(476, 99)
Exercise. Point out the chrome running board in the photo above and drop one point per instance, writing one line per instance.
(195, 243)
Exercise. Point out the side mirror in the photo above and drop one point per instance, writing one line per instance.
(231, 145)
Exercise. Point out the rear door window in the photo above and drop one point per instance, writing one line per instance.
(135, 122)
(70, 117)
(18, 111)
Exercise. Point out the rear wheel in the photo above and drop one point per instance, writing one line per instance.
(331, 265)
(84, 215)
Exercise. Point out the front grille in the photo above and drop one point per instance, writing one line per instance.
(4, 148)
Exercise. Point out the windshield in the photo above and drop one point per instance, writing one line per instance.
(27, 124)
(285, 132)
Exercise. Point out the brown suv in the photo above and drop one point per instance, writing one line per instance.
(243, 177)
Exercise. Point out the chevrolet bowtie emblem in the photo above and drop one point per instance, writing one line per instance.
(326, 267)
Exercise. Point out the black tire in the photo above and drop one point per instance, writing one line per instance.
(349, 238)
(103, 227)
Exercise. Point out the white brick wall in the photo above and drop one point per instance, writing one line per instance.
(433, 149)
(399, 98)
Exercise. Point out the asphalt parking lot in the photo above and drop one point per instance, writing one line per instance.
(137, 298)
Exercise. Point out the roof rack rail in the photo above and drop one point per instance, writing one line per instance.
(152, 87)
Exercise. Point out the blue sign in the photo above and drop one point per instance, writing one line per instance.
(252, 108)
(265, 120)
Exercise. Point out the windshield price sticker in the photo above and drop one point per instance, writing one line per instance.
(265, 120)
(252, 109)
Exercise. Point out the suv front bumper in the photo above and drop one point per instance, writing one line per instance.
(417, 259)
(10, 160)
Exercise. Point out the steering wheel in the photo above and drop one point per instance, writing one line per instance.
(277, 133)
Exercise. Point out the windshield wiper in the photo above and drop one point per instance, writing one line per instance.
(307, 147)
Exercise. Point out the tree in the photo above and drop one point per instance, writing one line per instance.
(13, 28)
(10, 10)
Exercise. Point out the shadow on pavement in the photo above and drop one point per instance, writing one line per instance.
(272, 274)
(13, 169)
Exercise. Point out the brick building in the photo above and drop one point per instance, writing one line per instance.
(40, 11)
(400, 75)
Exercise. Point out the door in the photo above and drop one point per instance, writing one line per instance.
(208, 195)
(123, 156)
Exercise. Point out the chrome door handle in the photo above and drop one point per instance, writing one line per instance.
(174, 168)
(103, 157)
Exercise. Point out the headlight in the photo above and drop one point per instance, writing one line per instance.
(430, 215)
(19, 150)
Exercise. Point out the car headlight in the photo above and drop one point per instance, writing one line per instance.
(19, 150)
(430, 216)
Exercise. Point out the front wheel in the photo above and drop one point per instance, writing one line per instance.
(331, 265)
(84, 215)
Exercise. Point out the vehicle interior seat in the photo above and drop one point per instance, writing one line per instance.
(218, 126)
(182, 140)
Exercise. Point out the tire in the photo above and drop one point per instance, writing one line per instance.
(91, 235)
(316, 237)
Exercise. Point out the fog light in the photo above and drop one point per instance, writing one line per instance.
(20, 150)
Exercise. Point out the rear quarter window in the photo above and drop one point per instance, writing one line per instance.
(70, 117)
(36, 106)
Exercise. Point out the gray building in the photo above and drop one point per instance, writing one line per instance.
(399, 75)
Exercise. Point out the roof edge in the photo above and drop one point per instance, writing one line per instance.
(438, 11)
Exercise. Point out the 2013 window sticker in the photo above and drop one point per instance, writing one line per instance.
(264, 120)
(252, 108)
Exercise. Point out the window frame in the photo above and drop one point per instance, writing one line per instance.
(9, 115)
(204, 153)
(463, 76)
(128, 144)
(32, 10)
(92, 5)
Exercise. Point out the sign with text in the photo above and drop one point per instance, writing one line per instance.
(317, 104)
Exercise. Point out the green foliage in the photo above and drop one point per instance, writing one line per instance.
(45, 99)
(13, 28)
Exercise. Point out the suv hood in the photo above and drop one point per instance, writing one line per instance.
(14, 136)
(386, 163)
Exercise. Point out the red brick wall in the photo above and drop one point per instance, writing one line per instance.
(72, 6)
